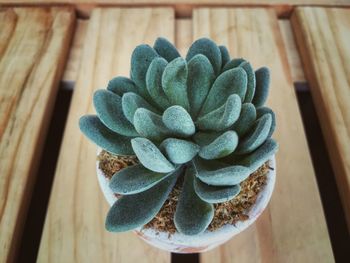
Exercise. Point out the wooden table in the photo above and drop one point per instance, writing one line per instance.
(46, 49)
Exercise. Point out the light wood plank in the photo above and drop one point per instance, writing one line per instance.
(33, 48)
(183, 8)
(73, 63)
(187, 2)
(293, 56)
(323, 36)
(293, 228)
(183, 35)
(74, 227)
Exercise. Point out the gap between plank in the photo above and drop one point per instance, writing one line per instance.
(41, 191)
(330, 198)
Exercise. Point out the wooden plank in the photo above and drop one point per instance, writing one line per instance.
(186, 2)
(183, 33)
(73, 63)
(33, 48)
(323, 37)
(293, 228)
(74, 227)
(293, 56)
(183, 8)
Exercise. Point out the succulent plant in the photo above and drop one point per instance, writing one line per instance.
(201, 118)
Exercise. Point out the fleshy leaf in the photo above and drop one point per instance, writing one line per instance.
(261, 155)
(154, 82)
(179, 121)
(246, 119)
(121, 85)
(225, 56)
(215, 194)
(135, 179)
(220, 174)
(192, 215)
(256, 136)
(200, 78)
(149, 155)
(262, 76)
(131, 102)
(174, 82)
(150, 125)
(234, 63)
(251, 81)
(222, 146)
(141, 58)
(108, 140)
(223, 117)
(132, 211)
(205, 138)
(179, 151)
(109, 109)
(166, 49)
(209, 49)
(233, 81)
(263, 110)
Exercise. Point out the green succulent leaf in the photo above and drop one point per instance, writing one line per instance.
(222, 146)
(215, 194)
(150, 125)
(256, 136)
(109, 110)
(179, 151)
(261, 155)
(132, 211)
(262, 76)
(154, 82)
(251, 81)
(225, 56)
(233, 63)
(207, 48)
(264, 110)
(135, 179)
(223, 117)
(200, 78)
(131, 102)
(179, 121)
(121, 85)
(233, 81)
(193, 215)
(174, 82)
(166, 49)
(150, 156)
(141, 58)
(246, 119)
(205, 138)
(220, 174)
(96, 131)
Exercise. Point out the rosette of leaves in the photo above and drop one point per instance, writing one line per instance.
(201, 118)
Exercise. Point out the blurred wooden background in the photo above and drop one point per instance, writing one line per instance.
(54, 54)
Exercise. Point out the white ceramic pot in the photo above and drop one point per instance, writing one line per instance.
(180, 243)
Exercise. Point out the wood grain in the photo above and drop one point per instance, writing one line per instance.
(188, 2)
(74, 227)
(33, 48)
(183, 8)
(323, 37)
(293, 228)
(293, 56)
(183, 35)
(74, 58)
